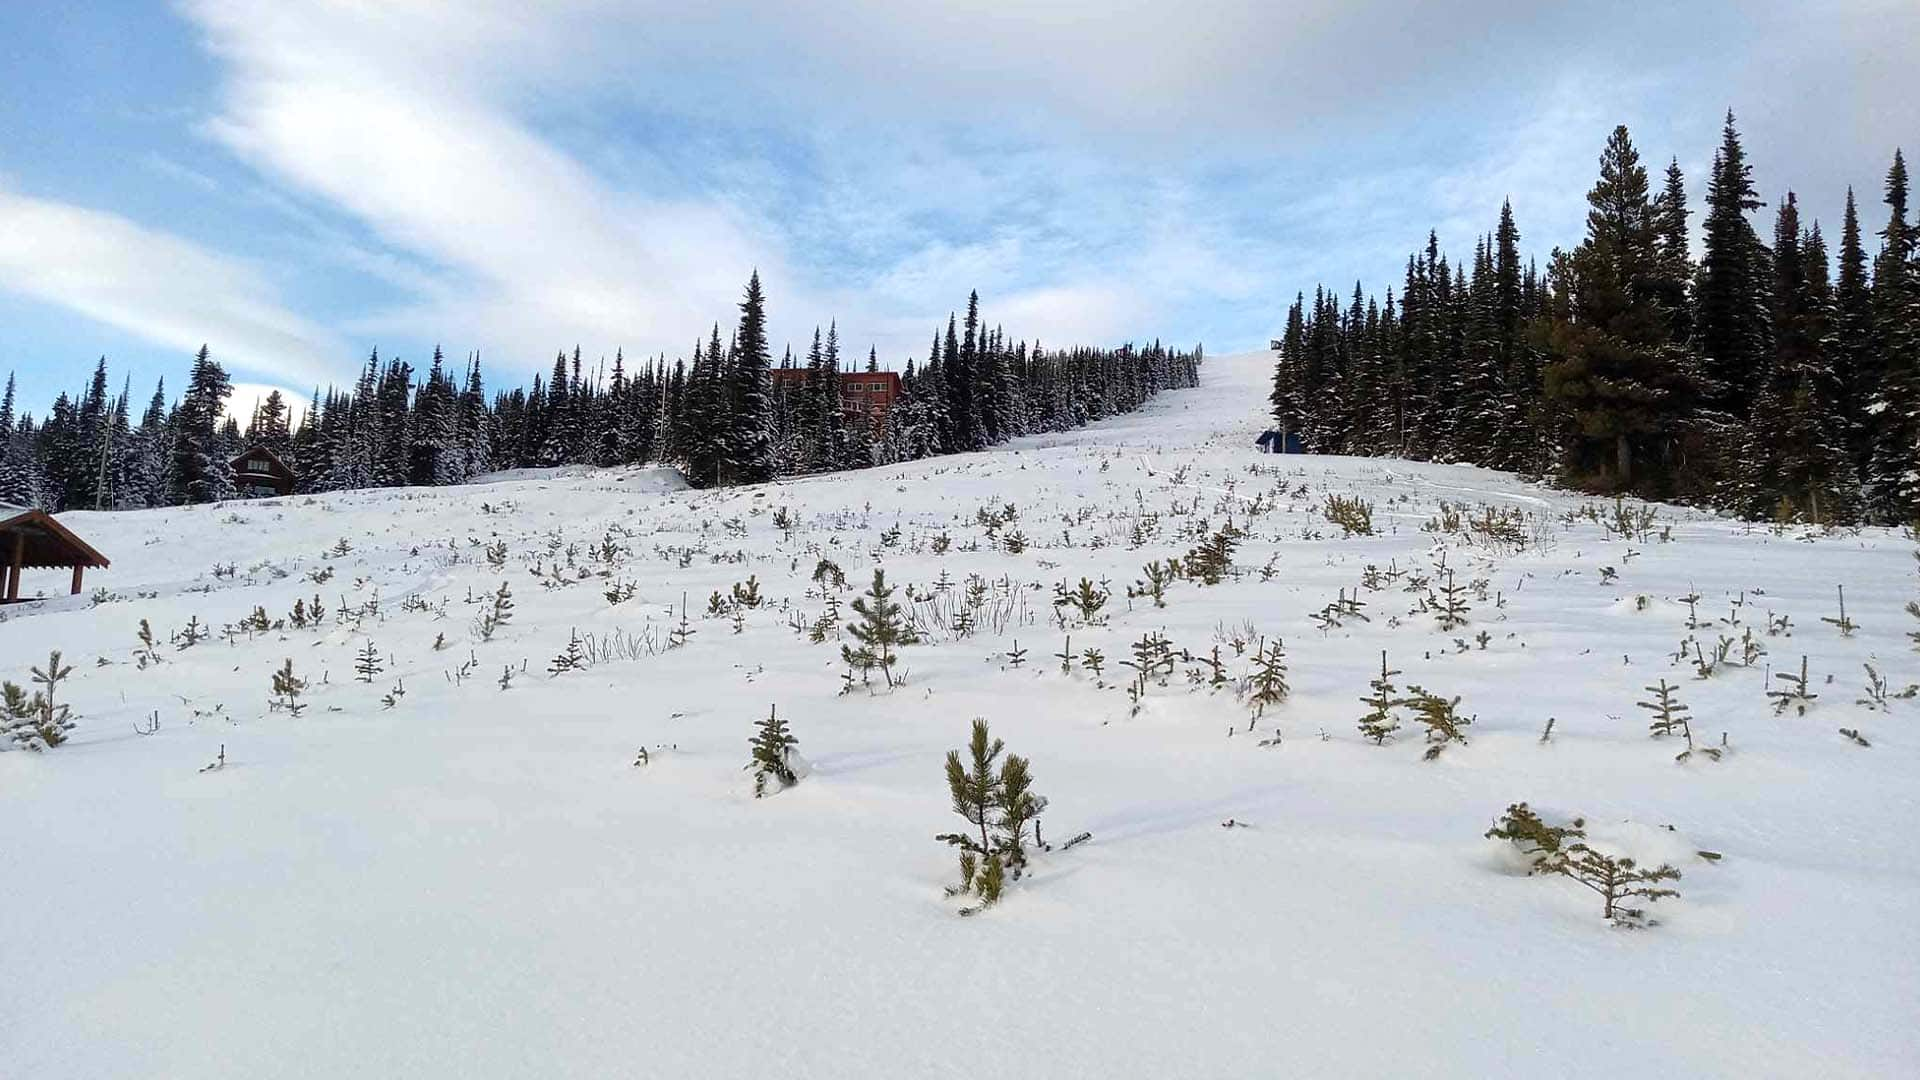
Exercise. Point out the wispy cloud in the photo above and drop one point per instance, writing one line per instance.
(157, 286)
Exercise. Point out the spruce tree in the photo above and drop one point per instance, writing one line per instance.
(1733, 335)
(880, 630)
(1615, 375)
(1894, 470)
(773, 754)
(749, 457)
(1850, 345)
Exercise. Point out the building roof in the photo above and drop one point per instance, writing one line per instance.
(47, 542)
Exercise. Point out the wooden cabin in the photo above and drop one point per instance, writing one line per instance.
(871, 394)
(32, 540)
(260, 473)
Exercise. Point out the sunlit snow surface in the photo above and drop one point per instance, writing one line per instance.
(482, 883)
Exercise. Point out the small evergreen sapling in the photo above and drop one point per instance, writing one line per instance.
(36, 721)
(773, 754)
(1536, 840)
(368, 663)
(1843, 624)
(1267, 683)
(1379, 723)
(1000, 806)
(1669, 714)
(1796, 694)
(1442, 719)
(879, 631)
(147, 654)
(1450, 601)
(572, 658)
(287, 688)
(1618, 880)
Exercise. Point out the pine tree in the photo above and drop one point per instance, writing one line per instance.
(199, 473)
(880, 630)
(1894, 471)
(999, 806)
(1857, 366)
(750, 452)
(1733, 334)
(773, 754)
(1616, 376)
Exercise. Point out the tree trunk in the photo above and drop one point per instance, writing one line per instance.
(1623, 460)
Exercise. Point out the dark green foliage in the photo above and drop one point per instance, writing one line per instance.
(1617, 378)
(719, 415)
(1752, 382)
(880, 630)
(772, 747)
(1000, 808)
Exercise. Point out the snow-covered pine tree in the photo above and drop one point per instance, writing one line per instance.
(749, 455)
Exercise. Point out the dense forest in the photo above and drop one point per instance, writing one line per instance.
(1762, 379)
(719, 416)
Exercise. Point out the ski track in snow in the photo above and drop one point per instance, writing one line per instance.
(480, 883)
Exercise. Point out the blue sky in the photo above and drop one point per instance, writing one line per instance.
(296, 183)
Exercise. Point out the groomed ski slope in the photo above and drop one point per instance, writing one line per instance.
(482, 883)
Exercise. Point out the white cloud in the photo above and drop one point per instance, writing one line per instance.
(157, 286)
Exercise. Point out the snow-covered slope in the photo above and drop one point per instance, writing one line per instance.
(480, 882)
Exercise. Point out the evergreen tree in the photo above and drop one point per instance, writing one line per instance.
(1850, 345)
(749, 457)
(1615, 376)
(200, 474)
(1894, 470)
(1733, 335)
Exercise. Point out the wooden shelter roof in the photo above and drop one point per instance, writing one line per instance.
(46, 542)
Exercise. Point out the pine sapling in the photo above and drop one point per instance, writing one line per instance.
(1449, 603)
(772, 747)
(1380, 723)
(1353, 514)
(572, 658)
(1538, 841)
(147, 654)
(368, 663)
(1669, 714)
(51, 722)
(287, 688)
(1000, 807)
(1876, 690)
(1797, 694)
(1617, 879)
(1442, 719)
(879, 631)
(1843, 624)
(1267, 682)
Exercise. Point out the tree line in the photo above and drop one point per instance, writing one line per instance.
(719, 415)
(1762, 379)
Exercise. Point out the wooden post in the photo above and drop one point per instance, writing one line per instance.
(78, 569)
(19, 557)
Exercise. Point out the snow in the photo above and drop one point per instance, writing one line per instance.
(479, 883)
